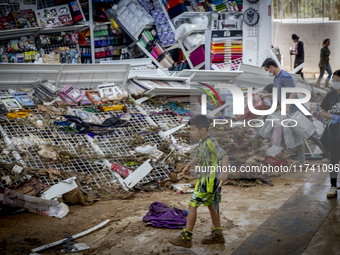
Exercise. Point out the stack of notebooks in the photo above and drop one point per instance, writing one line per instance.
(239, 4)
(225, 52)
(227, 5)
(219, 5)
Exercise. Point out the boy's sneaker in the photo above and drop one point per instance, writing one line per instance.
(183, 240)
(333, 192)
(215, 237)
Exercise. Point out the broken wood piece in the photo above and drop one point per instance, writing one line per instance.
(168, 155)
(74, 237)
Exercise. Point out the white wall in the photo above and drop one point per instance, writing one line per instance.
(312, 34)
(252, 45)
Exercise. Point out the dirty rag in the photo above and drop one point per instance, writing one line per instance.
(161, 216)
(85, 127)
(31, 187)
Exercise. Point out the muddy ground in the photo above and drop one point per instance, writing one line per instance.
(242, 209)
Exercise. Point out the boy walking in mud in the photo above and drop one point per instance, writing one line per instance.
(207, 157)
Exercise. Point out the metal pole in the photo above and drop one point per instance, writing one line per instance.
(297, 10)
(330, 12)
(323, 10)
(91, 32)
(281, 11)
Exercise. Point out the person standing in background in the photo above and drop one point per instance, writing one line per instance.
(299, 53)
(330, 109)
(324, 63)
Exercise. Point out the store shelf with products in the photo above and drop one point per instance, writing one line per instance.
(138, 16)
(224, 41)
(26, 34)
(108, 44)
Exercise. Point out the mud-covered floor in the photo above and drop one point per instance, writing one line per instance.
(243, 210)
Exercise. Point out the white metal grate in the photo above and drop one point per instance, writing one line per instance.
(112, 145)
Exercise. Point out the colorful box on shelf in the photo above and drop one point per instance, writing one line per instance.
(197, 56)
(7, 23)
(24, 18)
(172, 3)
(54, 16)
(177, 10)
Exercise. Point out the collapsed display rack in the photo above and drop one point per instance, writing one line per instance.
(92, 153)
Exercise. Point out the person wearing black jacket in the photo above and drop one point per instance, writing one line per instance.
(324, 63)
(299, 53)
(330, 109)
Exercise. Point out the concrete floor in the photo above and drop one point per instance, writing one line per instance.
(292, 217)
(302, 224)
(295, 217)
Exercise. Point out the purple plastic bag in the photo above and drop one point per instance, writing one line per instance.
(161, 216)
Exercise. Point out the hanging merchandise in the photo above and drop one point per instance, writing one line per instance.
(75, 10)
(125, 54)
(54, 16)
(81, 39)
(165, 33)
(251, 17)
(131, 15)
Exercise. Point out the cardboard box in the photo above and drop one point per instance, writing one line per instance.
(56, 16)
(24, 18)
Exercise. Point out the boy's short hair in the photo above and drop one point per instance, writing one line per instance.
(269, 62)
(200, 121)
(337, 72)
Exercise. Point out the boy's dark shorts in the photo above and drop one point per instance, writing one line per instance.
(206, 199)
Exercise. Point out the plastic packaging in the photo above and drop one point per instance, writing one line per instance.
(88, 117)
(111, 92)
(100, 53)
(146, 149)
(123, 171)
(304, 127)
(200, 22)
(183, 30)
(193, 40)
(73, 93)
(109, 51)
